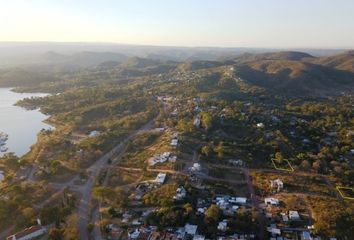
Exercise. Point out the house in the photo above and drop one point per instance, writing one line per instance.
(181, 193)
(196, 167)
(160, 129)
(199, 237)
(28, 233)
(276, 184)
(294, 215)
(94, 133)
(144, 235)
(134, 234)
(160, 178)
(271, 201)
(273, 230)
(174, 142)
(190, 229)
(171, 236)
(305, 235)
(275, 119)
(163, 157)
(238, 162)
(156, 236)
(222, 226)
(197, 122)
(284, 217)
(241, 200)
(172, 159)
(114, 232)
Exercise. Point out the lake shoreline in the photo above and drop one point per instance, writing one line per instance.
(21, 124)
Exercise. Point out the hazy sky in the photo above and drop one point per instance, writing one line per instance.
(233, 23)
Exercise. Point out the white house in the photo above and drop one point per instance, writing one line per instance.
(196, 167)
(199, 237)
(241, 200)
(181, 193)
(160, 178)
(174, 142)
(197, 122)
(94, 133)
(28, 233)
(190, 229)
(306, 235)
(271, 201)
(222, 226)
(134, 234)
(294, 215)
(276, 184)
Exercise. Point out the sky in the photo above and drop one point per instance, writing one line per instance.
(219, 23)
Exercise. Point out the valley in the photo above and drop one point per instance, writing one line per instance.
(252, 146)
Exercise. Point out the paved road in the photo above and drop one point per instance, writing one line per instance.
(86, 191)
(255, 203)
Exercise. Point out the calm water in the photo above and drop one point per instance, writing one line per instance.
(20, 124)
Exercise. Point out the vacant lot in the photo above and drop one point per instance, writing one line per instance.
(294, 183)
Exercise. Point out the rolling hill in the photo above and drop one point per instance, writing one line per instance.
(344, 61)
(294, 76)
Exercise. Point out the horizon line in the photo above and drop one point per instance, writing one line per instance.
(176, 46)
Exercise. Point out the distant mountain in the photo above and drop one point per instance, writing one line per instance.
(82, 58)
(194, 65)
(284, 55)
(294, 76)
(344, 61)
(138, 62)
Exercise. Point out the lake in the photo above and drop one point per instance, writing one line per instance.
(21, 125)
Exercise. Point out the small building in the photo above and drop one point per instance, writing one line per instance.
(134, 234)
(284, 217)
(237, 162)
(260, 125)
(190, 229)
(241, 200)
(199, 237)
(94, 133)
(271, 201)
(174, 142)
(28, 233)
(222, 226)
(277, 184)
(294, 215)
(181, 193)
(196, 167)
(305, 235)
(197, 122)
(160, 178)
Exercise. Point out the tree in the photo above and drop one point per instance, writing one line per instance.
(220, 149)
(90, 227)
(206, 150)
(185, 126)
(317, 165)
(104, 193)
(305, 165)
(213, 213)
(10, 160)
(56, 234)
(206, 120)
(278, 157)
(121, 199)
